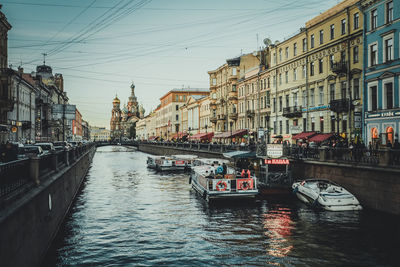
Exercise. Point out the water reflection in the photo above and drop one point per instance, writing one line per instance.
(128, 215)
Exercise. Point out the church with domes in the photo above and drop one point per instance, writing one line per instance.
(123, 121)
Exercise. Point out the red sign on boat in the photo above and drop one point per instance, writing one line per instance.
(277, 161)
(179, 162)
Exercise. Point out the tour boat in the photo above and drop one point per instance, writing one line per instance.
(187, 158)
(169, 163)
(325, 194)
(209, 161)
(151, 161)
(212, 187)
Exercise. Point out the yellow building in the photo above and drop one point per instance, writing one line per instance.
(316, 75)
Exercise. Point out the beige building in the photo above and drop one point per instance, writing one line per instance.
(99, 134)
(254, 93)
(316, 75)
(168, 113)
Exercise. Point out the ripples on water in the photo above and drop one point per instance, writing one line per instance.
(127, 215)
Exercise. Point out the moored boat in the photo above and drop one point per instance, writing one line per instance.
(214, 186)
(187, 158)
(168, 163)
(325, 194)
(151, 161)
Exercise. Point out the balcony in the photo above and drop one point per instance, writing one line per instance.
(292, 112)
(232, 96)
(339, 67)
(340, 105)
(233, 115)
(250, 113)
(213, 119)
(221, 117)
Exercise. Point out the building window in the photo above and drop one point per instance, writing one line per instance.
(343, 90)
(280, 78)
(312, 69)
(280, 55)
(388, 49)
(312, 103)
(234, 88)
(304, 72)
(321, 36)
(268, 83)
(275, 128)
(268, 98)
(280, 127)
(321, 124)
(343, 23)
(274, 104)
(388, 96)
(344, 125)
(331, 60)
(304, 125)
(390, 134)
(321, 95)
(373, 56)
(389, 12)
(304, 45)
(332, 31)
(373, 96)
(295, 99)
(295, 74)
(286, 76)
(312, 41)
(177, 117)
(304, 98)
(343, 56)
(177, 107)
(356, 83)
(287, 126)
(331, 92)
(287, 52)
(356, 21)
(214, 81)
(274, 56)
(287, 100)
(355, 54)
(280, 103)
(374, 19)
(321, 66)
(295, 49)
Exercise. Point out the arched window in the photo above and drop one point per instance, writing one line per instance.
(390, 134)
(374, 133)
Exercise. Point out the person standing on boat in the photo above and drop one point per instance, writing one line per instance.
(225, 169)
(219, 170)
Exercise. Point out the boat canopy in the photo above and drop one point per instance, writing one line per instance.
(240, 154)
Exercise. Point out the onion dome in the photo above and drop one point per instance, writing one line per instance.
(116, 100)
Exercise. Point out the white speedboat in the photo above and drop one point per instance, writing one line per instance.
(214, 186)
(325, 194)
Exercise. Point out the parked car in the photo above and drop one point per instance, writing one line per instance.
(47, 147)
(33, 151)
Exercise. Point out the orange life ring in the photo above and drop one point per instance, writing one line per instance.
(223, 187)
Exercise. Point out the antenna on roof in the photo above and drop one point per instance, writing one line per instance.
(44, 58)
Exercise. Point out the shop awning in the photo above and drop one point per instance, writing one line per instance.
(303, 135)
(320, 137)
(222, 135)
(202, 136)
(238, 133)
(240, 154)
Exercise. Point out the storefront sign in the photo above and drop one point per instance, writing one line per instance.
(386, 114)
(277, 161)
(274, 150)
(316, 108)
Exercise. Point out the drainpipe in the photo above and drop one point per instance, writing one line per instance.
(348, 72)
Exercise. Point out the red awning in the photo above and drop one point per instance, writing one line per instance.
(320, 137)
(202, 136)
(303, 135)
(238, 132)
(222, 135)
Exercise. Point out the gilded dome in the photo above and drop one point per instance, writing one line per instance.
(116, 100)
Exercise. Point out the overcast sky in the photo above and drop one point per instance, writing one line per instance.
(101, 46)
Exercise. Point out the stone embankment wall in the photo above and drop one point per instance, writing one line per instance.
(376, 188)
(29, 224)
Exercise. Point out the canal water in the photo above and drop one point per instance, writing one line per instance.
(127, 215)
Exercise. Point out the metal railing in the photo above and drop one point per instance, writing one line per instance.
(20, 175)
